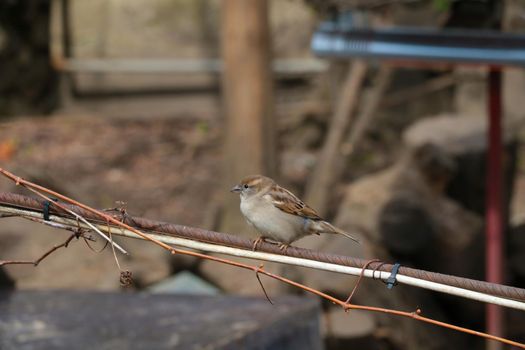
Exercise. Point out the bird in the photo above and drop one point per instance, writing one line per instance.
(277, 214)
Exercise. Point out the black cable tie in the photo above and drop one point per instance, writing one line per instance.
(377, 269)
(391, 280)
(45, 210)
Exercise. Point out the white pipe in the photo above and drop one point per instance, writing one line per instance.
(355, 271)
(215, 248)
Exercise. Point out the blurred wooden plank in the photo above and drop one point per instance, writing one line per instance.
(247, 95)
(319, 185)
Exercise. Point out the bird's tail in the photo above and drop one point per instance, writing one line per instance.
(326, 227)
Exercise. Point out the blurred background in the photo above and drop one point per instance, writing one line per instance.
(165, 104)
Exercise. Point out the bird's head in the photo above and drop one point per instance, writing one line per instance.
(252, 185)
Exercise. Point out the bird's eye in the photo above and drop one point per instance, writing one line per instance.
(245, 186)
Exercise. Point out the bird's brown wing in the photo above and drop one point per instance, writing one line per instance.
(289, 203)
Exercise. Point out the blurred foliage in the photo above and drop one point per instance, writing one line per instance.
(203, 127)
(442, 5)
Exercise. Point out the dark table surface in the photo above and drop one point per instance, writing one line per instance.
(95, 320)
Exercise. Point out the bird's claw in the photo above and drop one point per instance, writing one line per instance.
(283, 247)
(257, 242)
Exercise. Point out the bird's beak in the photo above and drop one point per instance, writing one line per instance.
(236, 188)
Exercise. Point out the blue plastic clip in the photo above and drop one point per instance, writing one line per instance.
(391, 280)
(45, 210)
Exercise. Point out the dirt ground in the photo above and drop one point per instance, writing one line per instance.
(104, 161)
(162, 169)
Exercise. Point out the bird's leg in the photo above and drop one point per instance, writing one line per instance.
(283, 247)
(257, 242)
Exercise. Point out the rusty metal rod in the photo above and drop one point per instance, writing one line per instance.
(72, 224)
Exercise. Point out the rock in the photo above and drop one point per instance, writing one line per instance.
(426, 211)
(470, 95)
(238, 281)
(351, 324)
(513, 87)
(464, 140)
(363, 202)
(184, 282)
(403, 210)
(455, 134)
(348, 327)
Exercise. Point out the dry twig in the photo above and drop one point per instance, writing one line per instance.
(261, 284)
(45, 255)
(348, 100)
(359, 279)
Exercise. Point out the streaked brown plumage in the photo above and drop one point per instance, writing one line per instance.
(277, 213)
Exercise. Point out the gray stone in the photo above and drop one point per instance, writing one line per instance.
(243, 282)
(351, 324)
(455, 134)
(184, 282)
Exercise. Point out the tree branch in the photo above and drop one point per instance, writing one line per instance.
(45, 255)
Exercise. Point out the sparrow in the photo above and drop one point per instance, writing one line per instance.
(277, 214)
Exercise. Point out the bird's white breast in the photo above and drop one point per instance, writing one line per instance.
(270, 221)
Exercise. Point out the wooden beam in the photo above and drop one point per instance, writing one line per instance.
(247, 96)
(318, 189)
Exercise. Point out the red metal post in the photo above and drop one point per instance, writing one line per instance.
(494, 218)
